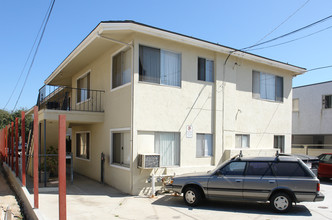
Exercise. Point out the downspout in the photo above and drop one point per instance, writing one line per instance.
(131, 45)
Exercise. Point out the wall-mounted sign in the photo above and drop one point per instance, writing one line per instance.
(189, 131)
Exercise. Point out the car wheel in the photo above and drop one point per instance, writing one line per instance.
(192, 196)
(281, 202)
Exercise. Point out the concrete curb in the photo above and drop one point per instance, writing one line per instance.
(22, 192)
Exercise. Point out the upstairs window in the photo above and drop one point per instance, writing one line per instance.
(327, 101)
(159, 66)
(267, 86)
(83, 88)
(205, 70)
(121, 69)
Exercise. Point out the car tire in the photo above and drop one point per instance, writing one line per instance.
(192, 196)
(281, 202)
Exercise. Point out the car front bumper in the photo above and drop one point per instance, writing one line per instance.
(173, 188)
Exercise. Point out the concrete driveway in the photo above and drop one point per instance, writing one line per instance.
(87, 199)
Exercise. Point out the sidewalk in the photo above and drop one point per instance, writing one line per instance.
(7, 198)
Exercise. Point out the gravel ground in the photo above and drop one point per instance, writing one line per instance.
(7, 198)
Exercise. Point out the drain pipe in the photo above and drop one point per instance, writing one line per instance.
(131, 45)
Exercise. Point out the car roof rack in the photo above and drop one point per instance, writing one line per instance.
(238, 156)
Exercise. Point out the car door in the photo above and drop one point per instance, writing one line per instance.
(227, 182)
(259, 181)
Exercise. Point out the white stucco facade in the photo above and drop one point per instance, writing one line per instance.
(312, 119)
(138, 113)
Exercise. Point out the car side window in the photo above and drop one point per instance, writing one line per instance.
(327, 158)
(233, 168)
(259, 169)
(288, 169)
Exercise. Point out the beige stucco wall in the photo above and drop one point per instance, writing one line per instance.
(194, 104)
(223, 108)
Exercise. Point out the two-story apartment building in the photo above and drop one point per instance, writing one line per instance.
(130, 89)
(312, 118)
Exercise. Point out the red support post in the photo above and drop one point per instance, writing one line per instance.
(12, 143)
(23, 147)
(6, 144)
(62, 167)
(35, 156)
(16, 142)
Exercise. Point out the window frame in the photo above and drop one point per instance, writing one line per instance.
(121, 52)
(256, 87)
(242, 135)
(179, 148)
(140, 75)
(325, 103)
(111, 163)
(295, 105)
(88, 148)
(204, 73)
(78, 100)
(197, 141)
(276, 139)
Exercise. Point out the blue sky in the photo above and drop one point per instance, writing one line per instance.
(233, 23)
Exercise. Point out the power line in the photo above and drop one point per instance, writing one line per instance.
(318, 68)
(26, 62)
(289, 33)
(299, 38)
(34, 56)
(283, 21)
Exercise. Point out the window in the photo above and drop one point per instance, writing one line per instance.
(83, 87)
(121, 69)
(159, 66)
(168, 146)
(267, 86)
(205, 70)
(259, 169)
(233, 168)
(121, 148)
(327, 101)
(242, 141)
(83, 145)
(288, 169)
(279, 143)
(295, 105)
(204, 145)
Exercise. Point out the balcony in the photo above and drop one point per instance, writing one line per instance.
(70, 99)
(80, 105)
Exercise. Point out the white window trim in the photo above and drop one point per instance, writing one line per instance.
(173, 51)
(124, 48)
(111, 164)
(80, 77)
(80, 158)
(241, 141)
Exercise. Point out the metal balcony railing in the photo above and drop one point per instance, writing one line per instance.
(70, 99)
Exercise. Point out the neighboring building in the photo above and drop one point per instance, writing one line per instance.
(130, 89)
(312, 116)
